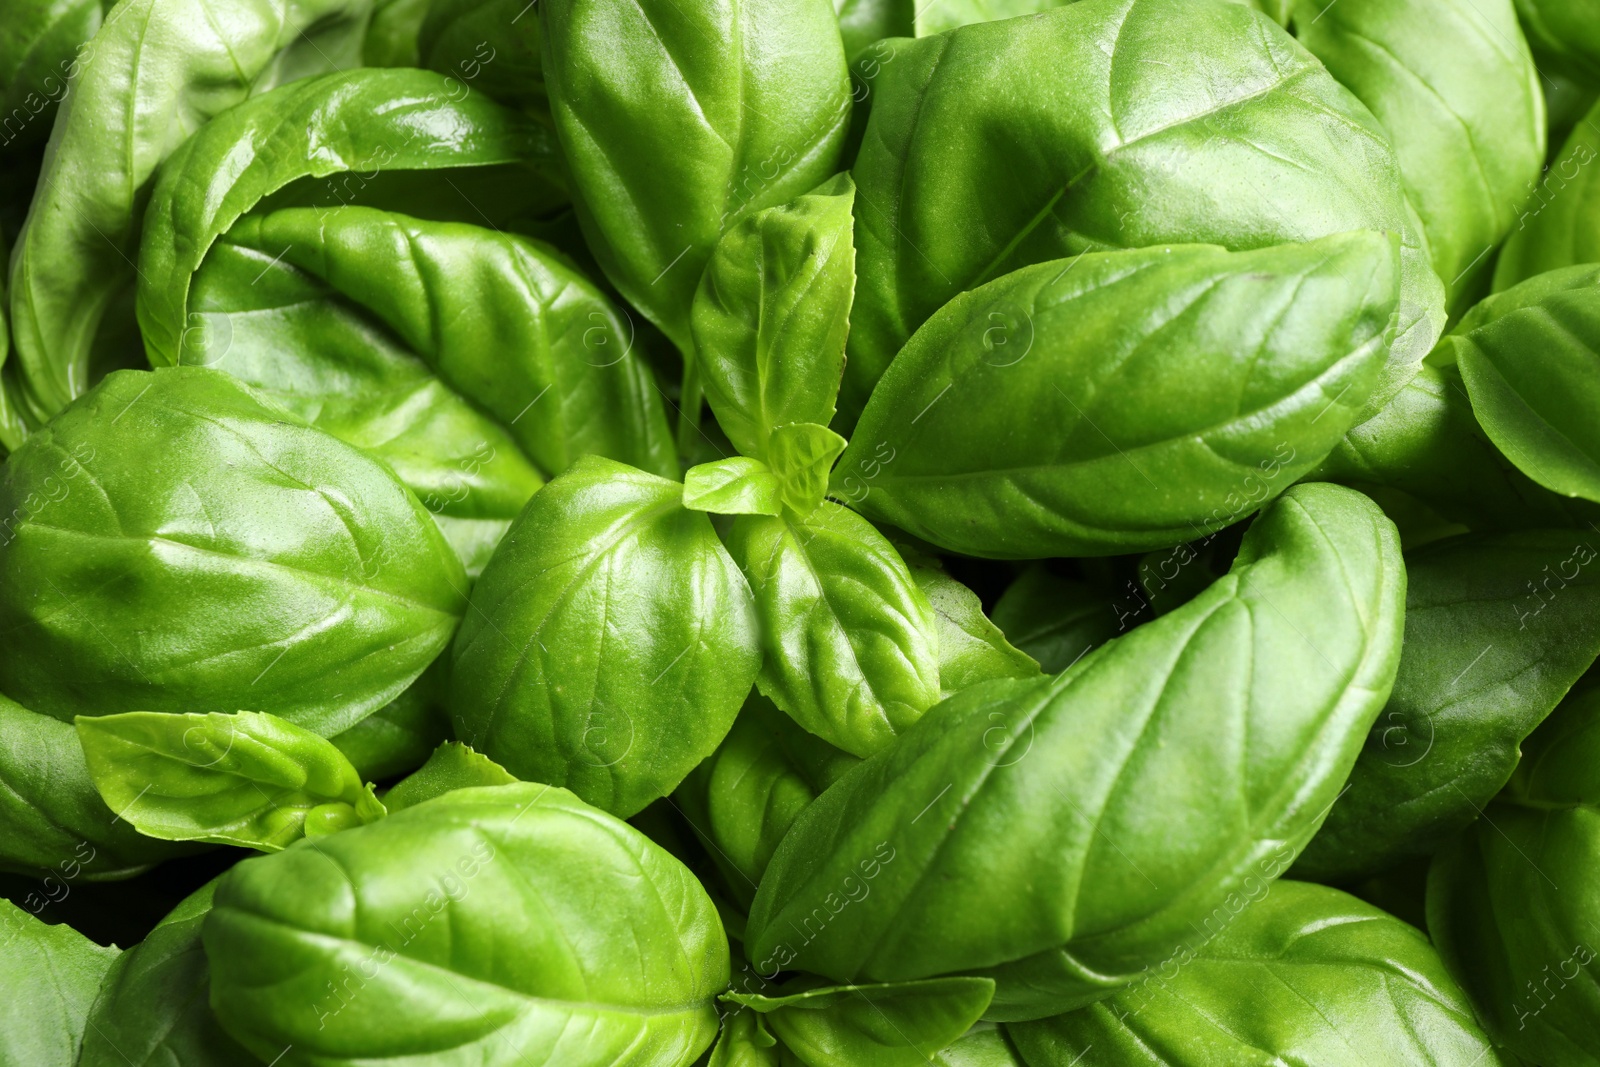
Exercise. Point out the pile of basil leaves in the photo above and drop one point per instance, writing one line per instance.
(757, 533)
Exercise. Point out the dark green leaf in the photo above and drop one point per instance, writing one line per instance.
(1498, 628)
(1059, 620)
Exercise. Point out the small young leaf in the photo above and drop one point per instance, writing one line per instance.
(771, 315)
(802, 455)
(248, 779)
(736, 486)
(452, 766)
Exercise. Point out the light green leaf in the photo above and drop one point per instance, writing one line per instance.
(802, 455)
(246, 779)
(736, 486)
(971, 648)
(48, 978)
(452, 766)
(771, 315)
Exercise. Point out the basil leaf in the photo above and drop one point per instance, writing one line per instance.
(1530, 358)
(737, 486)
(399, 736)
(743, 798)
(1426, 445)
(1511, 900)
(492, 922)
(1054, 135)
(904, 1023)
(1290, 657)
(745, 1042)
(1059, 620)
(1497, 629)
(1297, 973)
(452, 766)
(771, 315)
(46, 986)
(356, 121)
(1122, 401)
(851, 645)
(1456, 88)
(156, 70)
(608, 644)
(392, 34)
(865, 22)
(802, 454)
(152, 1009)
(1564, 34)
(260, 563)
(245, 779)
(971, 648)
(677, 122)
(492, 45)
(53, 823)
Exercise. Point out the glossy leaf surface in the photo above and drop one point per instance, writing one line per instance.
(501, 925)
(184, 547)
(48, 978)
(609, 643)
(850, 642)
(1132, 794)
(1103, 125)
(1122, 401)
(1302, 974)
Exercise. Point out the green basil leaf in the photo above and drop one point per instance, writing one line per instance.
(1057, 134)
(677, 122)
(851, 644)
(156, 70)
(400, 736)
(1530, 358)
(452, 766)
(348, 123)
(903, 1023)
(41, 48)
(971, 648)
(744, 797)
(1559, 224)
(863, 23)
(1497, 629)
(1122, 401)
(510, 364)
(1059, 620)
(802, 455)
(46, 986)
(260, 563)
(771, 315)
(492, 45)
(244, 779)
(736, 486)
(1297, 973)
(985, 1045)
(1426, 445)
(1456, 88)
(494, 923)
(1122, 785)
(1564, 34)
(745, 1042)
(53, 823)
(1512, 903)
(152, 1009)
(609, 643)
(392, 38)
